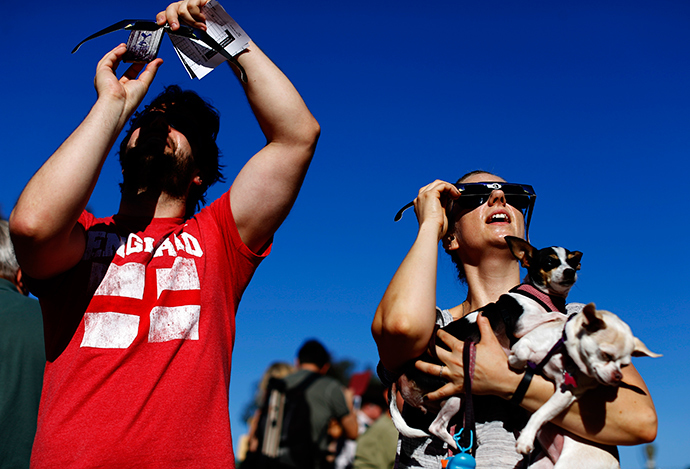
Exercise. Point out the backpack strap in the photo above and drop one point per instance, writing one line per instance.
(272, 422)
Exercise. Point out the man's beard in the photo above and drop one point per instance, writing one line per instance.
(153, 169)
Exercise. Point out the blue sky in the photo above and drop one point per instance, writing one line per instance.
(587, 101)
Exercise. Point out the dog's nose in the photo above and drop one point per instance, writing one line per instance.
(569, 274)
(617, 375)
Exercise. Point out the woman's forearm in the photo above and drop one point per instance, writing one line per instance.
(609, 415)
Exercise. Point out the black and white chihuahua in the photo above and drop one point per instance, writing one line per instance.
(551, 273)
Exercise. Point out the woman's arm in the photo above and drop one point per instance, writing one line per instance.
(608, 415)
(405, 318)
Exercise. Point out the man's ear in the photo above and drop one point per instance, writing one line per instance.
(19, 283)
(450, 242)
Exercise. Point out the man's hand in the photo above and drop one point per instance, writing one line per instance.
(129, 90)
(187, 11)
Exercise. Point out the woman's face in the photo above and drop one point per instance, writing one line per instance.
(487, 225)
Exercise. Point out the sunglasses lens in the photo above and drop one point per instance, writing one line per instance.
(144, 119)
(520, 202)
(475, 194)
(471, 201)
(176, 120)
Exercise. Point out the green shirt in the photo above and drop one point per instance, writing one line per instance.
(22, 360)
(377, 446)
(326, 401)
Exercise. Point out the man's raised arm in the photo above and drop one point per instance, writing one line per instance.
(265, 190)
(43, 224)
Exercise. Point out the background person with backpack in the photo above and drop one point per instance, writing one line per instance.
(293, 426)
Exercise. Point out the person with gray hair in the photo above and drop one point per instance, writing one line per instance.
(8, 261)
(22, 359)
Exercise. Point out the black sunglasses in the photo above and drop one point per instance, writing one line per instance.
(474, 194)
(137, 26)
(176, 118)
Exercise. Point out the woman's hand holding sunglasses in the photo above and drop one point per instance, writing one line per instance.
(430, 204)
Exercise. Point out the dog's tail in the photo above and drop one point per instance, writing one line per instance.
(398, 421)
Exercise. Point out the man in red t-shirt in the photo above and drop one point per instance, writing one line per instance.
(139, 307)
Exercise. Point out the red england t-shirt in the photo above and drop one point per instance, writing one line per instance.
(139, 339)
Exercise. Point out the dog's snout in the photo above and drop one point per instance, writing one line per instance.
(569, 274)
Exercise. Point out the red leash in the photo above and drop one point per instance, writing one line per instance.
(469, 357)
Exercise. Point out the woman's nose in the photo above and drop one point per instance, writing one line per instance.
(497, 197)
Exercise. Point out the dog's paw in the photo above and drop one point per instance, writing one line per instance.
(516, 363)
(524, 444)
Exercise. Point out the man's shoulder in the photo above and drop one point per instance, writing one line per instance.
(300, 376)
(329, 381)
(9, 295)
(318, 381)
(329, 388)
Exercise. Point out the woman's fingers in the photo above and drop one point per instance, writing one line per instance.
(431, 202)
(444, 392)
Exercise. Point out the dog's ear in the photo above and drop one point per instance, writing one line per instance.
(593, 321)
(521, 249)
(641, 350)
(574, 259)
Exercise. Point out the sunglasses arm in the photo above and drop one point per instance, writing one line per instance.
(127, 25)
(529, 217)
(183, 31)
(399, 215)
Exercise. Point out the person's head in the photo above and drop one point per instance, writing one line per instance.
(476, 223)
(274, 370)
(9, 267)
(171, 147)
(374, 400)
(313, 353)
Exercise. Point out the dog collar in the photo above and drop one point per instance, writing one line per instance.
(548, 302)
(538, 367)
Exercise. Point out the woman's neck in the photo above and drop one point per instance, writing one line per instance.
(488, 280)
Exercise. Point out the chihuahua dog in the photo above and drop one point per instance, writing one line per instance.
(551, 273)
(578, 353)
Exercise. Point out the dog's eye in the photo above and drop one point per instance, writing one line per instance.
(606, 356)
(551, 263)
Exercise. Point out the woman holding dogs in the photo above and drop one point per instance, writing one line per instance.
(472, 233)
